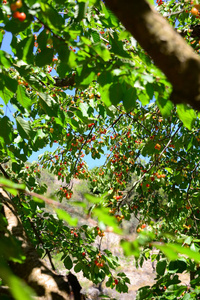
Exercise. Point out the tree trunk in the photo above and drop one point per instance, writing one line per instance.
(46, 283)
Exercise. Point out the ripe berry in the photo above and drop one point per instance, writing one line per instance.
(158, 146)
(116, 281)
(20, 16)
(194, 11)
(18, 3)
(13, 7)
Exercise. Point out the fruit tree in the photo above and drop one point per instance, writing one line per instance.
(118, 80)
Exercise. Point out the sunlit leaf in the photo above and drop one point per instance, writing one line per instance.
(65, 216)
(186, 114)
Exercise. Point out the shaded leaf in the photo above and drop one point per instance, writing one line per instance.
(68, 262)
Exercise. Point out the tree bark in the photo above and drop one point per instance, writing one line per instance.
(46, 283)
(169, 51)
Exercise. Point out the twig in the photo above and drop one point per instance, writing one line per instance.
(177, 12)
(154, 163)
(187, 198)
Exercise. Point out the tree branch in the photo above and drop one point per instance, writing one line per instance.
(170, 52)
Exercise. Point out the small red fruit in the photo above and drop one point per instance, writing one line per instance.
(20, 16)
(90, 125)
(116, 281)
(13, 7)
(143, 226)
(83, 253)
(158, 146)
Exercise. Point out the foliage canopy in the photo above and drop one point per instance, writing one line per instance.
(76, 78)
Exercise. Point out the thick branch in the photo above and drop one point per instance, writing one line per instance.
(65, 82)
(170, 52)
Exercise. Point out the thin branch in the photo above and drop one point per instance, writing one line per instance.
(154, 163)
(177, 12)
(188, 200)
(4, 172)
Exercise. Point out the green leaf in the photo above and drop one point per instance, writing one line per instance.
(187, 115)
(5, 59)
(103, 215)
(84, 109)
(15, 26)
(143, 293)
(5, 94)
(7, 130)
(88, 79)
(24, 128)
(78, 267)
(51, 16)
(177, 266)
(8, 183)
(11, 84)
(117, 46)
(63, 215)
(95, 36)
(45, 57)
(82, 9)
(103, 52)
(187, 297)
(105, 94)
(68, 262)
(130, 248)
(22, 97)
(42, 40)
(93, 199)
(25, 49)
(161, 266)
(172, 251)
(48, 104)
(116, 92)
(129, 99)
(165, 106)
(143, 98)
